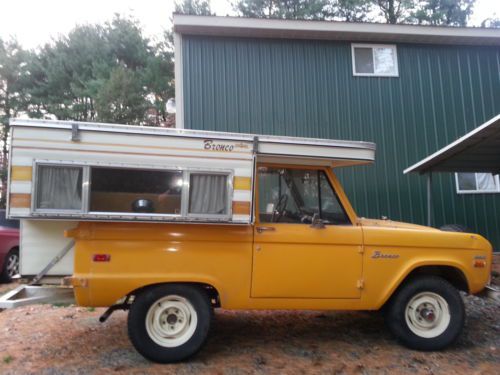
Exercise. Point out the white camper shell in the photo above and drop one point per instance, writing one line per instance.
(62, 172)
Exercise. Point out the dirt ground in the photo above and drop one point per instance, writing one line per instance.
(47, 339)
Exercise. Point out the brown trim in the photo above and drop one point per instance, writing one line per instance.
(125, 145)
(21, 173)
(122, 153)
(241, 208)
(18, 200)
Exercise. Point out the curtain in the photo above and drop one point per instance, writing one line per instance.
(59, 188)
(208, 194)
(485, 181)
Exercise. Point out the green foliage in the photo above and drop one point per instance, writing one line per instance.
(443, 12)
(193, 7)
(107, 72)
(121, 98)
(7, 359)
(286, 9)
(348, 10)
(431, 12)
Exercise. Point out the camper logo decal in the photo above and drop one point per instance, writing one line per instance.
(209, 144)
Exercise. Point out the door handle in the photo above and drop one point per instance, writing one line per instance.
(265, 229)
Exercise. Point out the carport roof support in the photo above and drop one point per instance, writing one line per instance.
(477, 151)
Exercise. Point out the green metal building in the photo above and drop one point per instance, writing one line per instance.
(409, 89)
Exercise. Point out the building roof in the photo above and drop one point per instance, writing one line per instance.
(477, 151)
(332, 30)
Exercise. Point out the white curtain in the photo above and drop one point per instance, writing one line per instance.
(485, 181)
(208, 194)
(59, 188)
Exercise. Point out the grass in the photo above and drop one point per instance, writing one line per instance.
(7, 359)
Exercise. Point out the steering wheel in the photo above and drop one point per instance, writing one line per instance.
(279, 211)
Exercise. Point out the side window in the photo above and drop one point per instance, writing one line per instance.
(208, 194)
(135, 191)
(58, 188)
(295, 195)
(331, 209)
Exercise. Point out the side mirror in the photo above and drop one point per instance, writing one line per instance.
(317, 222)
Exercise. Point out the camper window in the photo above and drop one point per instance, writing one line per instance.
(135, 191)
(208, 194)
(59, 188)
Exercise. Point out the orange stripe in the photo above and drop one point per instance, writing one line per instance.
(20, 200)
(242, 183)
(241, 208)
(19, 173)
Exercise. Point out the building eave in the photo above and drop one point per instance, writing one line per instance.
(331, 30)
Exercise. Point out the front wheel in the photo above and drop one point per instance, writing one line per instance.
(427, 313)
(169, 323)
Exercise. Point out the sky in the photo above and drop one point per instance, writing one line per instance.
(35, 22)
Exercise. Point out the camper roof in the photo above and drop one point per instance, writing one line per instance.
(267, 146)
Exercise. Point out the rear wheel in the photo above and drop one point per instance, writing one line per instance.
(169, 323)
(10, 266)
(427, 313)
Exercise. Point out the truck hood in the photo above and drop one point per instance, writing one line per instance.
(392, 224)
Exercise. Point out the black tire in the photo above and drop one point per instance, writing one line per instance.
(399, 324)
(145, 343)
(454, 228)
(7, 271)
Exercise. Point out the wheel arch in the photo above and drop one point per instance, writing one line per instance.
(212, 292)
(450, 272)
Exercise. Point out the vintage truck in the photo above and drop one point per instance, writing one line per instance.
(170, 224)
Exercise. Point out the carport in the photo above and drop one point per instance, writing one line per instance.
(477, 151)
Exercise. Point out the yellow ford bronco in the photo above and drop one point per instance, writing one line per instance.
(171, 229)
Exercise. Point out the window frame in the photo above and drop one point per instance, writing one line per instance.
(459, 191)
(372, 46)
(34, 191)
(86, 193)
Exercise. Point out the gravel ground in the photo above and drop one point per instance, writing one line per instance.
(45, 339)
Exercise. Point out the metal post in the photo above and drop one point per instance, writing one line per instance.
(429, 198)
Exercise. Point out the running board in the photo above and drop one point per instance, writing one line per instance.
(28, 294)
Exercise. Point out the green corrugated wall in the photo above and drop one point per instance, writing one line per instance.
(306, 88)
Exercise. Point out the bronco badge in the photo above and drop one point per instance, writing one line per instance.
(380, 255)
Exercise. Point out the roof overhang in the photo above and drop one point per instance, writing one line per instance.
(477, 151)
(331, 30)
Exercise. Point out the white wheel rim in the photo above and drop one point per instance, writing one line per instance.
(12, 265)
(427, 315)
(171, 321)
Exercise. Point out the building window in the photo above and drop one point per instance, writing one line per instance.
(137, 191)
(58, 188)
(477, 183)
(375, 60)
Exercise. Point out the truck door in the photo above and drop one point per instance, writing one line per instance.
(305, 245)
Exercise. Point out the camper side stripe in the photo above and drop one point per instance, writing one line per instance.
(20, 200)
(242, 183)
(21, 173)
(241, 208)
